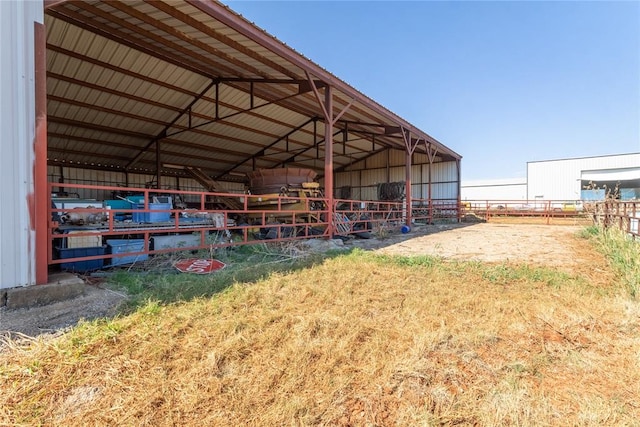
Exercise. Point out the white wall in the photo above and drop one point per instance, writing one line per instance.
(495, 189)
(17, 121)
(561, 179)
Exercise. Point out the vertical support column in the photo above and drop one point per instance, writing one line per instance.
(42, 194)
(430, 198)
(410, 147)
(328, 154)
(329, 121)
(459, 214)
(158, 164)
(407, 186)
(431, 154)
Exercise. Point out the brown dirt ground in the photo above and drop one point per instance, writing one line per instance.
(489, 242)
(537, 245)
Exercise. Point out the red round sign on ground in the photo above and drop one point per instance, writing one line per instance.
(199, 266)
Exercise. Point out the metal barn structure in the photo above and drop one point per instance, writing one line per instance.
(182, 100)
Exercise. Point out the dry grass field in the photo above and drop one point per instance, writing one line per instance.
(357, 339)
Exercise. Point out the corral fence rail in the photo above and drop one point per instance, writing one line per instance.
(545, 211)
(131, 224)
(622, 214)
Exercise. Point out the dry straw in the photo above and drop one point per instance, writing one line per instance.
(359, 340)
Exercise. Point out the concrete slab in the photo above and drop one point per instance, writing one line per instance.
(61, 286)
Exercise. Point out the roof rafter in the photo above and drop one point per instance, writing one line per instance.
(172, 11)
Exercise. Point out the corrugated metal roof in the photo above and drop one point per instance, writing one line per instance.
(217, 92)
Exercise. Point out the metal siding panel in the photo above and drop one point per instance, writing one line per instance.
(189, 184)
(341, 179)
(444, 172)
(445, 191)
(351, 179)
(441, 172)
(355, 178)
(373, 176)
(17, 99)
(397, 174)
(419, 158)
(503, 192)
(416, 174)
(348, 179)
(368, 193)
(397, 158)
(378, 160)
(425, 173)
(416, 191)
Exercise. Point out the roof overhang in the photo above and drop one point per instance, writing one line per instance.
(137, 85)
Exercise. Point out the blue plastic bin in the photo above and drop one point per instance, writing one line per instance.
(152, 216)
(124, 246)
(118, 204)
(81, 266)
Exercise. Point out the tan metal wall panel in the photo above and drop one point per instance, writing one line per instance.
(368, 193)
(17, 121)
(379, 160)
(444, 172)
(348, 179)
(351, 179)
(397, 174)
(419, 158)
(373, 176)
(446, 191)
(416, 174)
(397, 158)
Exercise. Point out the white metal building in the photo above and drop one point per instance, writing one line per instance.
(18, 142)
(584, 178)
(494, 189)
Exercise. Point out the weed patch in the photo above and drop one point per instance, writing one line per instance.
(623, 254)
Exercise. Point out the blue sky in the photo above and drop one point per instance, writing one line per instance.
(501, 83)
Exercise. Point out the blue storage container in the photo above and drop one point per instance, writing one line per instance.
(118, 204)
(81, 266)
(125, 246)
(152, 216)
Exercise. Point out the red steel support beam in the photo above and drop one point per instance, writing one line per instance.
(328, 156)
(407, 185)
(431, 154)
(42, 197)
(329, 122)
(158, 164)
(459, 186)
(410, 147)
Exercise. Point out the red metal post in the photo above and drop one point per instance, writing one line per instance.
(548, 211)
(430, 156)
(407, 184)
(328, 156)
(41, 191)
(158, 164)
(459, 214)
